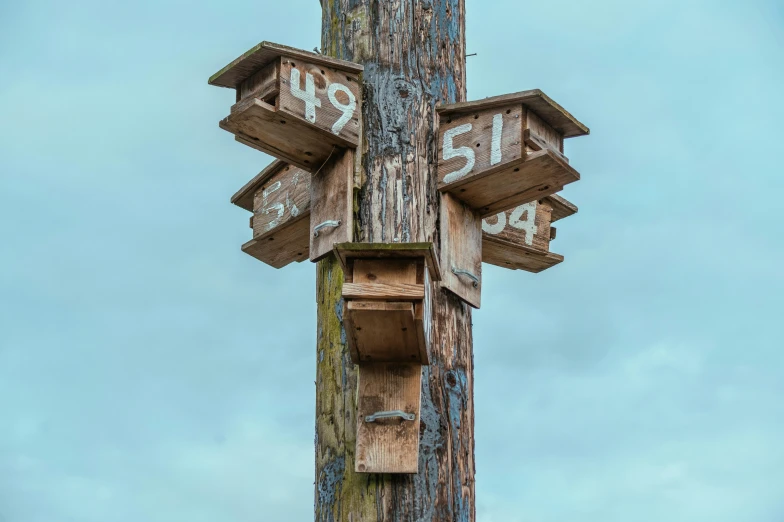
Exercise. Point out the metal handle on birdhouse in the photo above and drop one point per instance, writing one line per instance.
(390, 415)
(469, 275)
(326, 224)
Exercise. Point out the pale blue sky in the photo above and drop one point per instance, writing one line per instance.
(151, 371)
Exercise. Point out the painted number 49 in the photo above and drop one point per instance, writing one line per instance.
(467, 152)
(308, 95)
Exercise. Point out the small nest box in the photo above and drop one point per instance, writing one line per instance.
(387, 292)
(295, 105)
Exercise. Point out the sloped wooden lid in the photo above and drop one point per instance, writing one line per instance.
(544, 106)
(244, 196)
(265, 53)
(561, 207)
(346, 251)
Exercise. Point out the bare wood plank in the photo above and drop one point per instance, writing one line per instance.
(461, 250)
(540, 174)
(389, 445)
(384, 291)
(281, 246)
(262, 54)
(561, 207)
(243, 198)
(331, 193)
(544, 106)
(348, 251)
(517, 257)
(538, 129)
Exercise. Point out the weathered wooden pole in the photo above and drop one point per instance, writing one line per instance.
(413, 52)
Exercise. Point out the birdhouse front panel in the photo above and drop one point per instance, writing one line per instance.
(498, 153)
(387, 292)
(332, 197)
(298, 106)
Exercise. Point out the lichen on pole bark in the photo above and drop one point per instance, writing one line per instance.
(413, 52)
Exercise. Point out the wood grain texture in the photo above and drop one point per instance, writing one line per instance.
(281, 246)
(280, 200)
(561, 207)
(261, 55)
(461, 250)
(332, 199)
(278, 218)
(538, 175)
(384, 291)
(517, 225)
(327, 113)
(382, 331)
(544, 106)
(479, 140)
(506, 241)
(389, 445)
(389, 251)
(414, 57)
(518, 257)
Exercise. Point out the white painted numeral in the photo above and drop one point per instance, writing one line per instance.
(268, 209)
(460, 152)
(347, 109)
(528, 225)
(308, 95)
(495, 147)
(522, 218)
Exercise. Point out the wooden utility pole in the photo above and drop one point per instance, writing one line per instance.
(400, 190)
(413, 53)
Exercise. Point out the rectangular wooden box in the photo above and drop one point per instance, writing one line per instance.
(298, 106)
(519, 239)
(501, 152)
(279, 198)
(387, 291)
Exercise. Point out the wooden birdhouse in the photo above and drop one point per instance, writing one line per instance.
(502, 152)
(279, 198)
(387, 292)
(298, 106)
(520, 238)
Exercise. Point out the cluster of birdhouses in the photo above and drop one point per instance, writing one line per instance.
(500, 164)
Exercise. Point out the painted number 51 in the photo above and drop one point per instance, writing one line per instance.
(308, 95)
(468, 153)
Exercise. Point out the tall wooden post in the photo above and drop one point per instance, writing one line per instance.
(413, 52)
